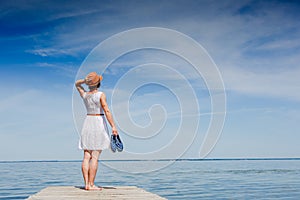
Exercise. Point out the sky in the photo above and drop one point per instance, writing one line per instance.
(47, 45)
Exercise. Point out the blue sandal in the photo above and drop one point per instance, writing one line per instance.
(113, 145)
(119, 143)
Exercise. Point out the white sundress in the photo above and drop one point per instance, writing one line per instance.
(94, 133)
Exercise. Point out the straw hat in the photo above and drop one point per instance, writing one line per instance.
(93, 79)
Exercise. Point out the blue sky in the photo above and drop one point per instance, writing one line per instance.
(255, 45)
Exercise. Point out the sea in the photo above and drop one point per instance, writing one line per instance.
(183, 179)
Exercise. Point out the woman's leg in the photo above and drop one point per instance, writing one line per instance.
(93, 168)
(85, 167)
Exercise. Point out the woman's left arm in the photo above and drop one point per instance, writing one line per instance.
(108, 114)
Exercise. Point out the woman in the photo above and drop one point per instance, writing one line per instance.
(94, 135)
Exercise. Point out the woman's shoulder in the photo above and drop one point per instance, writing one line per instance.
(100, 92)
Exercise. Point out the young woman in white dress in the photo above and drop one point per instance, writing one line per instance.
(94, 135)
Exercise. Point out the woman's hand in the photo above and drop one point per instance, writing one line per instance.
(80, 81)
(114, 131)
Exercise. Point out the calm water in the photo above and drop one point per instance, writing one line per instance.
(213, 179)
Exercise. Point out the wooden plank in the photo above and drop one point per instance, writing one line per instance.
(71, 192)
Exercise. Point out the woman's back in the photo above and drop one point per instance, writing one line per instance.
(92, 102)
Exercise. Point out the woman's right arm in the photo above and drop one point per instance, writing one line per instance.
(79, 87)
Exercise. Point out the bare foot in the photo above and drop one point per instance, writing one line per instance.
(94, 187)
(86, 187)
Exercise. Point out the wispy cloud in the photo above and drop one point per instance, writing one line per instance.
(62, 68)
(282, 44)
(48, 52)
(281, 84)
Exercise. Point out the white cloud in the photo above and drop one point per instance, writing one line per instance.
(282, 44)
(284, 84)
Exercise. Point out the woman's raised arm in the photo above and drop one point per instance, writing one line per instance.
(79, 87)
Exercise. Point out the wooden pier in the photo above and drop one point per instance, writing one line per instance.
(73, 192)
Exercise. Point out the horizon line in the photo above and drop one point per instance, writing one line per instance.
(167, 159)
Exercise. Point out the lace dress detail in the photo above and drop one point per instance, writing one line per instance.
(94, 133)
